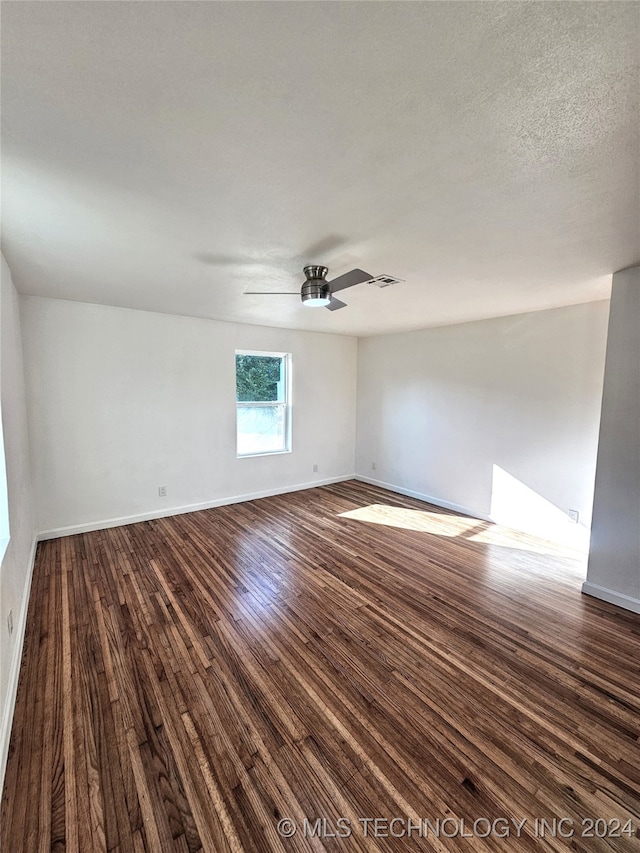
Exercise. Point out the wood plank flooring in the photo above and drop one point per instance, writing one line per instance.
(342, 652)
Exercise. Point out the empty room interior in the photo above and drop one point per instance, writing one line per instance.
(320, 397)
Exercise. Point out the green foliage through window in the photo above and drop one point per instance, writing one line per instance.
(257, 378)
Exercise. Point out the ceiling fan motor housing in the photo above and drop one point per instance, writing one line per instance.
(315, 290)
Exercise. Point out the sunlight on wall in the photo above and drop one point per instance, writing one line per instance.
(514, 504)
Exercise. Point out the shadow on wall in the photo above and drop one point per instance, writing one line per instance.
(513, 504)
(4, 502)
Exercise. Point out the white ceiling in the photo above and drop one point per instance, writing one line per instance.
(171, 155)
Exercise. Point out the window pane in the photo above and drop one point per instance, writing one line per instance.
(261, 429)
(259, 378)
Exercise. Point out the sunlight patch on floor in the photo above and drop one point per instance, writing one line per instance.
(508, 537)
(461, 526)
(436, 523)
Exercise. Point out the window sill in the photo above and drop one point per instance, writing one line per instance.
(261, 453)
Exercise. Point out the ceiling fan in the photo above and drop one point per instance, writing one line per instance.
(317, 292)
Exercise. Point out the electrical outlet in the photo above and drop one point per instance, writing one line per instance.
(10, 622)
(373, 466)
(574, 515)
(315, 469)
(162, 491)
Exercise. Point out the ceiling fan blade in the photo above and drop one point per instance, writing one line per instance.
(271, 293)
(335, 304)
(348, 280)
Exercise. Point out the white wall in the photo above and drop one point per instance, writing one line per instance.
(123, 401)
(17, 563)
(614, 556)
(497, 418)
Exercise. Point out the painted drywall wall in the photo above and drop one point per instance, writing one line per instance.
(614, 556)
(124, 401)
(497, 418)
(17, 563)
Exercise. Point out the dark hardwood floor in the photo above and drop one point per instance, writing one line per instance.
(342, 652)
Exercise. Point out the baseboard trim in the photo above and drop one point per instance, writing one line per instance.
(14, 671)
(103, 524)
(611, 596)
(463, 510)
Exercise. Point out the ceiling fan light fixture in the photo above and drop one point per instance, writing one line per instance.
(315, 291)
(319, 301)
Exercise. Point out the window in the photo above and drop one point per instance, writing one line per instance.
(262, 403)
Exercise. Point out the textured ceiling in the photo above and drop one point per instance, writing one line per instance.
(171, 155)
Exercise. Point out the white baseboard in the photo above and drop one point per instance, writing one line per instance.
(14, 670)
(103, 524)
(613, 597)
(463, 510)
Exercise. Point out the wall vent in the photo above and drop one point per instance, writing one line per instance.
(384, 280)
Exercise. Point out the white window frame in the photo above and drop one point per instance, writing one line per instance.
(284, 404)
